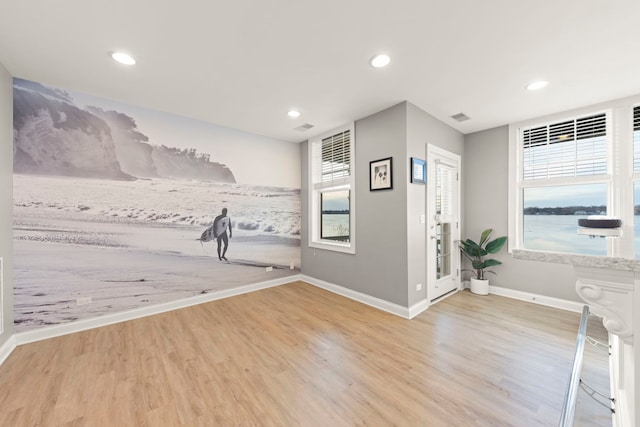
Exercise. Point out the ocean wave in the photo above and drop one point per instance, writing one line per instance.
(69, 239)
(253, 210)
(248, 225)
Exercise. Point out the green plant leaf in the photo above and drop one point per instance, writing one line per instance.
(491, 262)
(495, 245)
(470, 242)
(477, 265)
(475, 252)
(485, 235)
(472, 249)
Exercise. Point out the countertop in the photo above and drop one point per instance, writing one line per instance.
(613, 263)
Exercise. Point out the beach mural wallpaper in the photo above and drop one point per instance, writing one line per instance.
(114, 206)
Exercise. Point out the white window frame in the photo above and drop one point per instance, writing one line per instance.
(314, 197)
(635, 176)
(619, 178)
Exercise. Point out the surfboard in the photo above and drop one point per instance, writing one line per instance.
(207, 235)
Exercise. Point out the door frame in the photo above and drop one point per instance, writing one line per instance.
(436, 153)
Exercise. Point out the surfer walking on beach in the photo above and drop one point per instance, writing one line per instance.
(221, 224)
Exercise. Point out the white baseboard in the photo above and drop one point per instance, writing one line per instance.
(537, 299)
(418, 308)
(414, 310)
(378, 303)
(7, 348)
(398, 310)
(109, 319)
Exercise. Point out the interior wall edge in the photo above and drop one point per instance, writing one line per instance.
(7, 348)
(363, 298)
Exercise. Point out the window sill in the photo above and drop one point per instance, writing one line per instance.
(335, 247)
(614, 263)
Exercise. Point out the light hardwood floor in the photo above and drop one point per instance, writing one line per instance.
(298, 355)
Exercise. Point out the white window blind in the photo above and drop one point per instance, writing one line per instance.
(569, 148)
(445, 184)
(636, 139)
(332, 160)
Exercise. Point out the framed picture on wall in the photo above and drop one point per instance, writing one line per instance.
(418, 171)
(380, 175)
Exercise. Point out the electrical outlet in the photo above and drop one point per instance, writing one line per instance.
(419, 287)
(291, 266)
(83, 301)
(269, 269)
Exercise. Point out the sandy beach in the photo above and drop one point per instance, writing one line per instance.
(64, 252)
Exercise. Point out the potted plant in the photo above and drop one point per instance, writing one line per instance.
(476, 253)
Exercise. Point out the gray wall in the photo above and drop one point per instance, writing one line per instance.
(422, 129)
(379, 266)
(485, 178)
(6, 198)
(390, 241)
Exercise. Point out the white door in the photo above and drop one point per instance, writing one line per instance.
(443, 225)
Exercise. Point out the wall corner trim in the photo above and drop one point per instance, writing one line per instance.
(378, 303)
(418, 308)
(537, 299)
(7, 348)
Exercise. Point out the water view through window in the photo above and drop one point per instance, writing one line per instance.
(551, 216)
(335, 216)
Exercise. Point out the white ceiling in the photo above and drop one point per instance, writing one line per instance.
(243, 64)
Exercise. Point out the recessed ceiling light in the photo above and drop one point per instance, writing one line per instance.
(537, 85)
(123, 58)
(380, 61)
(294, 114)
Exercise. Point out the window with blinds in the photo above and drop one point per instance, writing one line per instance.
(636, 139)
(576, 164)
(332, 160)
(636, 183)
(568, 148)
(331, 190)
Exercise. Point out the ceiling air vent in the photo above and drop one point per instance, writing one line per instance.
(304, 127)
(461, 117)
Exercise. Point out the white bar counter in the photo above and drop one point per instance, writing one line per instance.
(611, 287)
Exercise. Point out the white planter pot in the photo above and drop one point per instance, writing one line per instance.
(480, 287)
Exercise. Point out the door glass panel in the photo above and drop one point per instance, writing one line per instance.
(445, 184)
(443, 250)
(442, 231)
